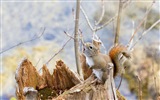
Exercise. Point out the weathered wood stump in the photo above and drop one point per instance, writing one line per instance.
(63, 84)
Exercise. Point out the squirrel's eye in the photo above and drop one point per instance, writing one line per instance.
(90, 47)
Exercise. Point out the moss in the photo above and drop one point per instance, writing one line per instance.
(47, 93)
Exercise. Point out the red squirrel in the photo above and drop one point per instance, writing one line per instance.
(100, 63)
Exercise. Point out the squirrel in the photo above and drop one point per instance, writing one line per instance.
(100, 63)
(85, 67)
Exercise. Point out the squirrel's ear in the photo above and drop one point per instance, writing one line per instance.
(96, 43)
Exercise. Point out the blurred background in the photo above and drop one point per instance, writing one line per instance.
(25, 20)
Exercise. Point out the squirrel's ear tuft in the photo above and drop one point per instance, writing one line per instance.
(96, 43)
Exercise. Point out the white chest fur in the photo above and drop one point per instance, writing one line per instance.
(98, 73)
(89, 61)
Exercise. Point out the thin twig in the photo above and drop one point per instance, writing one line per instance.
(102, 14)
(131, 43)
(86, 17)
(81, 36)
(82, 41)
(139, 87)
(38, 62)
(145, 21)
(154, 77)
(58, 51)
(93, 29)
(146, 32)
(73, 14)
(105, 24)
(120, 82)
(112, 84)
(113, 18)
(35, 38)
(126, 3)
(100, 27)
(140, 24)
(68, 35)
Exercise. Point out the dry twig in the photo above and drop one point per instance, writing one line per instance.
(35, 38)
(144, 18)
(145, 33)
(68, 35)
(96, 28)
(86, 17)
(102, 14)
(58, 51)
(120, 82)
(139, 87)
(154, 79)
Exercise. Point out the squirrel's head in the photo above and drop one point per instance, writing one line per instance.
(90, 50)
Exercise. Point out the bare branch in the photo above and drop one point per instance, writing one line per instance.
(35, 38)
(76, 43)
(95, 28)
(86, 17)
(146, 32)
(116, 40)
(131, 43)
(140, 24)
(102, 26)
(113, 18)
(81, 36)
(103, 12)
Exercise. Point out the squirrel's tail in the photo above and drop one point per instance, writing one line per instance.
(116, 54)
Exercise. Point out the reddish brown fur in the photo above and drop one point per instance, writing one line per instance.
(113, 53)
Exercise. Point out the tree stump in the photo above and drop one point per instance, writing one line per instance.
(62, 84)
